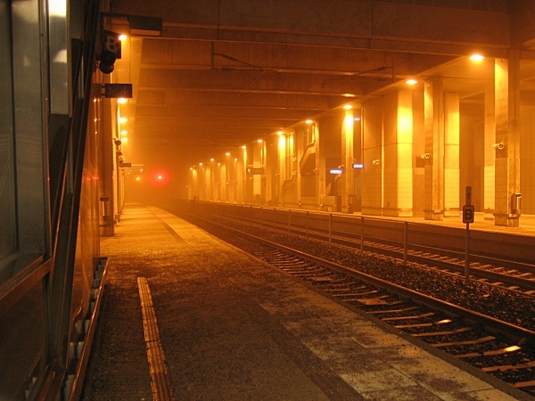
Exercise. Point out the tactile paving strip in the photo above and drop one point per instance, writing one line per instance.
(161, 388)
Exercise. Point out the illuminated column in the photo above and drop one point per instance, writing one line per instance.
(398, 154)
(224, 182)
(319, 162)
(281, 167)
(507, 103)
(219, 183)
(372, 150)
(489, 176)
(348, 178)
(194, 185)
(434, 145)
(235, 180)
(244, 175)
(210, 183)
(213, 182)
(258, 175)
(451, 154)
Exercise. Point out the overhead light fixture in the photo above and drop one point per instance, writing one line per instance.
(411, 81)
(348, 107)
(477, 57)
(309, 121)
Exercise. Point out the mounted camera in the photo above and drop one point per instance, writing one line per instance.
(111, 51)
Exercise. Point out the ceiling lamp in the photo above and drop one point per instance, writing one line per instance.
(477, 57)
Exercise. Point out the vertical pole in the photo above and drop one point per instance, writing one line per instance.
(330, 228)
(467, 256)
(307, 222)
(362, 235)
(405, 242)
(468, 216)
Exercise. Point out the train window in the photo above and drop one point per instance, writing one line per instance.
(8, 232)
(23, 169)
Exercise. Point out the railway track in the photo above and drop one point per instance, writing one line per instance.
(497, 347)
(511, 275)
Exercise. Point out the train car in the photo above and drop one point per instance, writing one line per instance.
(51, 271)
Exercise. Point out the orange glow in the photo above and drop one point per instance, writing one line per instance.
(411, 81)
(477, 57)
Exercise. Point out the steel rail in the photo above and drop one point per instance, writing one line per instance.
(395, 251)
(492, 323)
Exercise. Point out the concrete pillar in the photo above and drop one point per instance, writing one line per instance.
(281, 147)
(218, 183)
(224, 182)
(507, 104)
(257, 181)
(300, 144)
(489, 157)
(451, 154)
(372, 149)
(398, 154)
(348, 178)
(320, 163)
(434, 146)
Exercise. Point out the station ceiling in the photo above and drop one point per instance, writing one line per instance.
(224, 73)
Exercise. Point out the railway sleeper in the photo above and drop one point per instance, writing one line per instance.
(444, 333)
(387, 311)
(496, 352)
(411, 317)
(504, 368)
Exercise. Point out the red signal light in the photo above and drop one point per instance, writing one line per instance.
(159, 178)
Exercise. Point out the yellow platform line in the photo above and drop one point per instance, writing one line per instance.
(161, 388)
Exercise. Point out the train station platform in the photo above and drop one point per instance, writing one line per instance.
(188, 317)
